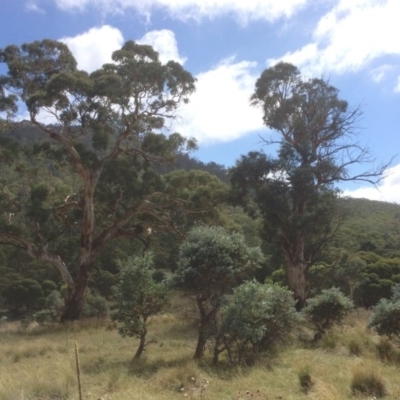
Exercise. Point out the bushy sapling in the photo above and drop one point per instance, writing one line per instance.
(211, 262)
(385, 318)
(258, 316)
(138, 297)
(326, 309)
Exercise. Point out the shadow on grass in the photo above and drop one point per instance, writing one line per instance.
(145, 369)
(227, 371)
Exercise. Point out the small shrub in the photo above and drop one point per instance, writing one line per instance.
(257, 317)
(138, 297)
(328, 308)
(386, 318)
(305, 379)
(367, 382)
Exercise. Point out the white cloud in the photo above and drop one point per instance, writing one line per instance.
(33, 6)
(219, 110)
(244, 10)
(164, 42)
(388, 190)
(93, 48)
(397, 87)
(380, 73)
(350, 37)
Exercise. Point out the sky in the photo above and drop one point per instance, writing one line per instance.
(226, 44)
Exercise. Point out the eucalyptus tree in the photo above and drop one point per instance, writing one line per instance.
(107, 135)
(316, 135)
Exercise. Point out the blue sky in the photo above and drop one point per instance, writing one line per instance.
(226, 44)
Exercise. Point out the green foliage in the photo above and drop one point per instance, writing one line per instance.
(256, 317)
(25, 294)
(386, 318)
(396, 293)
(294, 192)
(48, 287)
(54, 304)
(326, 309)
(211, 262)
(138, 297)
(95, 306)
(97, 178)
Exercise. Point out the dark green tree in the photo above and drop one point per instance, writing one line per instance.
(257, 317)
(211, 262)
(294, 192)
(385, 318)
(25, 294)
(326, 309)
(107, 139)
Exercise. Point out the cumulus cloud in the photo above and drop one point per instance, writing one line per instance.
(349, 37)
(219, 111)
(269, 10)
(164, 42)
(93, 48)
(388, 190)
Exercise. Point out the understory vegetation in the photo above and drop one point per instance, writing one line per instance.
(40, 363)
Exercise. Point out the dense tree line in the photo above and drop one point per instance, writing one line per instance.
(105, 182)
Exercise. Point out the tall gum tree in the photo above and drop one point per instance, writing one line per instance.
(107, 132)
(317, 148)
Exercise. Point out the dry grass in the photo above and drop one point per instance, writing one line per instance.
(41, 365)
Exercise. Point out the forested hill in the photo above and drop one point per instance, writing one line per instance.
(367, 226)
(370, 226)
(367, 244)
(28, 134)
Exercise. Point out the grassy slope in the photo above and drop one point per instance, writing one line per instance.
(41, 365)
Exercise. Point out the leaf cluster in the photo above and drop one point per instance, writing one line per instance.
(326, 309)
(137, 295)
(386, 315)
(257, 317)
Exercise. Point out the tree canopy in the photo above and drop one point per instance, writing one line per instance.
(317, 146)
(108, 133)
